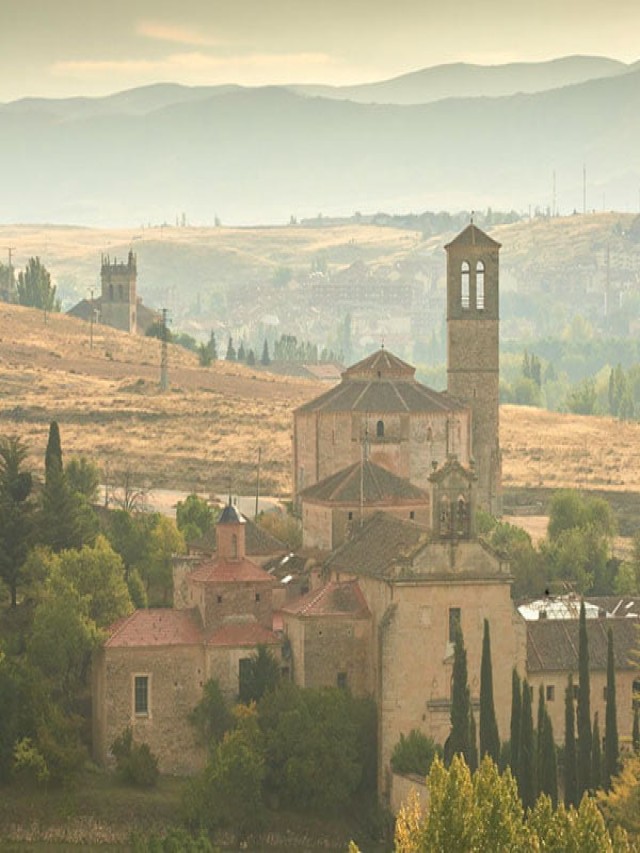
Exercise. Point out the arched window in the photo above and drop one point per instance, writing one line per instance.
(480, 286)
(380, 429)
(445, 516)
(234, 547)
(464, 282)
(462, 517)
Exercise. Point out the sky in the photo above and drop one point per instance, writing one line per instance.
(61, 48)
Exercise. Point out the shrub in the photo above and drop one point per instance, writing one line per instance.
(135, 763)
(414, 753)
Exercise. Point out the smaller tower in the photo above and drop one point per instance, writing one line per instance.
(230, 534)
(118, 296)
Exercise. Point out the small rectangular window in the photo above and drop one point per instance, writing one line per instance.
(412, 515)
(219, 598)
(350, 516)
(257, 597)
(141, 694)
(341, 680)
(576, 688)
(455, 623)
(551, 692)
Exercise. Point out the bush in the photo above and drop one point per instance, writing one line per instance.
(135, 763)
(414, 753)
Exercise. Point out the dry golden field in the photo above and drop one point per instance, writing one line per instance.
(207, 429)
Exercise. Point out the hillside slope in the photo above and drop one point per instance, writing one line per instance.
(205, 432)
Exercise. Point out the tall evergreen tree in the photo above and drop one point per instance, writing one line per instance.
(231, 351)
(16, 513)
(527, 772)
(266, 358)
(459, 738)
(540, 755)
(549, 775)
(596, 755)
(635, 732)
(489, 739)
(212, 346)
(570, 771)
(473, 739)
(516, 716)
(611, 746)
(584, 709)
(242, 356)
(53, 453)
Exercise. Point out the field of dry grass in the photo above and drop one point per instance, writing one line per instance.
(207, 429)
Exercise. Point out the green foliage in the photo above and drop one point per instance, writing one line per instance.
(231, 351)
(212, 717)
(176, 841)
(516, 719)
(584, 709)
(135, 763)
(583, 399)
(16, 513)
(229, 791)
(620, 805)
(489, 738)
(611, 746)
(548, 766)
(137, 592)
(194, 517)
(596, 755)
(53, 452)
(635, 730)
(261, 675)
(315, 750)
(29, 762)
(526, 751)
(570, 761)
(83, 477)
(284, 527)
(459, 740)
(265, 358)
(35, 289)
(414, 753)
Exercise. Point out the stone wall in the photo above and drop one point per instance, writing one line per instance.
(223, 601)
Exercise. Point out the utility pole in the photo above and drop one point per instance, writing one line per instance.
(258, 483)
(164, 354)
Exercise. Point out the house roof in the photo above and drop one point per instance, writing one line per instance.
(257, 540)
(552, 644)
(333, 599)
(242, 634)
(378, 545)
(156, 627)
(229, 571)
(473, 236)
(367, 481)
(617, 605)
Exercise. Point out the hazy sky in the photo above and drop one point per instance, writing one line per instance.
(70, 47)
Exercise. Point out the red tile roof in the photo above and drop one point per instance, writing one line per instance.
(333, 599)
(229, 571)
(242, 634)
(156, 627)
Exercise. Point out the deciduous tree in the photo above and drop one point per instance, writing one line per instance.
(35, 289)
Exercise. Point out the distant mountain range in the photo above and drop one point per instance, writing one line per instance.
(454, 136)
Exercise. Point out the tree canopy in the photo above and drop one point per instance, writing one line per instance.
(35, 289)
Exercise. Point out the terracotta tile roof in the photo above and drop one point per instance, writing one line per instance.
(378, 545)
(229, 571)
(257, 541)
(156, 627)
(243, 634)
(381, 396)
(552, 644)
(333, 599)
(378, 486)
(381, 364)
(473, 236)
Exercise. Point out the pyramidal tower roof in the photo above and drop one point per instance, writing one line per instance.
(473, 236)
(380, 365)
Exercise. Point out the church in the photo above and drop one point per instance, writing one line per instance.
(388, 475)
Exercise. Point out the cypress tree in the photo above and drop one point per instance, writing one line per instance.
(516, 715)
(584, 710)
(527, 774)
(635, 733)
(570, 782)
(540, 755)
(549, 783)
(473, 740)
(489, 738)
(266, 358)
(611, 746)
(231, 351)
(53, 453)
(459, 738)
(596, 755)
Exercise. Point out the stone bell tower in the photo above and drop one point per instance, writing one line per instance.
(118, 301)
(473, 372)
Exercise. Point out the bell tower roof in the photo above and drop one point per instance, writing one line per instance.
(472, 236)
(230, 515)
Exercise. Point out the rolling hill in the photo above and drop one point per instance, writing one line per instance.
(207, 429)
(262, 155)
